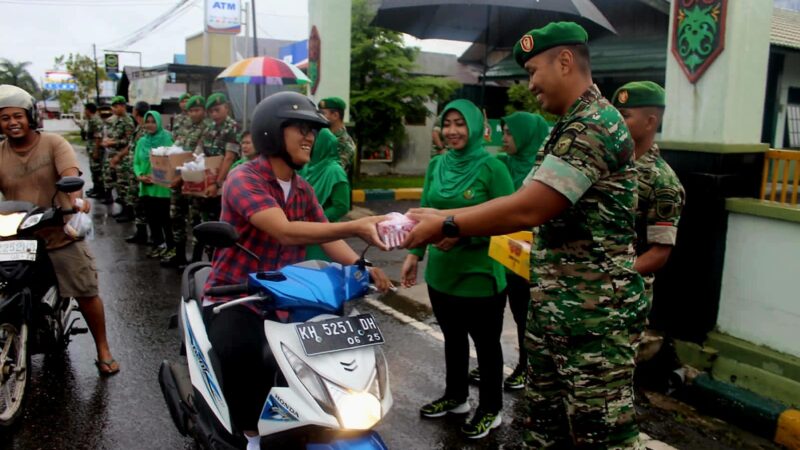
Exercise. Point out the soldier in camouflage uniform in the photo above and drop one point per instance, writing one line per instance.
(127, 184)
(333, 109)
(119, 131)
(587, 299)
(94, 134)
(181, 119)
(661, 194)
(182, 207)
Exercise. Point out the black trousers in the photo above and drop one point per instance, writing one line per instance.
(519, 297)
(482, 319)
(157, 214)
(248, 368)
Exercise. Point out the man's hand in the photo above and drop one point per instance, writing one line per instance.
(427, 211)
(447, 243)
(409, 271)
(366, 228)
(146, 179)
(379, 279)
(177, 183)
(212, 190)
(114, 161)
(427, 231)
(82, 205)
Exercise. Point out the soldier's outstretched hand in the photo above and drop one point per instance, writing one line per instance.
(427, 231)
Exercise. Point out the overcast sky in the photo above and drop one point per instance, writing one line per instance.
(40, 30)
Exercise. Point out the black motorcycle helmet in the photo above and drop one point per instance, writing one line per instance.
(273, 114)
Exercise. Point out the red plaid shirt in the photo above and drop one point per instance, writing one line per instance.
(248, 190)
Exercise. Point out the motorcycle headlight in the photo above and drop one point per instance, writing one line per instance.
(31, 221)
(357, 410)
(311, 381)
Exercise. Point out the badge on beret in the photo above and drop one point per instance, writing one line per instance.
(322, 104)
(623, 96)
(526, 43)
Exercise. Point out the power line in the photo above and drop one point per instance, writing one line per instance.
(68, 3)
(168, 16)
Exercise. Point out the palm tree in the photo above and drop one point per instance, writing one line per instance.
(18, 75)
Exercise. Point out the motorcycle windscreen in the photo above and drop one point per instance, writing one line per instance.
(323, 289)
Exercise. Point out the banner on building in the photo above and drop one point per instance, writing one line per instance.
(147, 89)
(59, 81)
(224, 16)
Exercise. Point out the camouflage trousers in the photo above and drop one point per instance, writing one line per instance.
(128, 189)
(109, 173)
(96, 160)
(580, 391)
(182, 213)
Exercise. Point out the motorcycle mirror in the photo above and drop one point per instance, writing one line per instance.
(69, 184)
(216, 234)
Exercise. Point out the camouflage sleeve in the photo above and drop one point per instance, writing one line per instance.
(347, 152)
(126, 134)
(665, 212)
(575, 163)
(232, 140)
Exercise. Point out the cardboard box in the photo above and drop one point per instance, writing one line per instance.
(513, 251)
(195, 183)
(165, 168)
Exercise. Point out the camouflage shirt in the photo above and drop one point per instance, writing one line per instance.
(121, 130)
(179, 121)
(137, 134)
(188, 135)
(582, 260)
(218, 139)
(94, 131)
(347, 149)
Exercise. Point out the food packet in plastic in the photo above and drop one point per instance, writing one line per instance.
(395, 229)
(80, 225)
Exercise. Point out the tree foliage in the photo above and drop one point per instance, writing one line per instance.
(82, 68)
(520, 98)
(383, 89)
(66, 100)
(18, 75)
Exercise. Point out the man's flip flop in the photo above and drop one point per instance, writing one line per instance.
(109, 367)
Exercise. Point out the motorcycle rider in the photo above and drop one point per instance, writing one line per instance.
(276, 215)
(31, 162)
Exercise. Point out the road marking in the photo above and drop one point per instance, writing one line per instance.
(648, 442)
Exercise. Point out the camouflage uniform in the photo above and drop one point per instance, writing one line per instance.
(661, 200)
(94, 132)
(127, 183)
(180, 121)
(585, 297)
(216, 141)
(119, 128)
(347, 150)
(187, 136)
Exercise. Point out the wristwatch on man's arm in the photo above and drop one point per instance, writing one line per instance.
(450, 228)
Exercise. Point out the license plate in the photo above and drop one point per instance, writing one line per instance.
(18, 250)
(335, 335)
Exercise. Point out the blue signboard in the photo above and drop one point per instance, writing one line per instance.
(61, 86)
(294, 53)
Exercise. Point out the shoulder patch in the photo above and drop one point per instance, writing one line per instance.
(577, 127)
(563, 144)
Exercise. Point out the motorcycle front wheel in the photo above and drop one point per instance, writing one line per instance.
(14, 371)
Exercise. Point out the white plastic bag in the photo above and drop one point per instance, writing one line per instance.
(80, 225)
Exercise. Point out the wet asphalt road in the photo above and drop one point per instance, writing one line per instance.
(70, 407)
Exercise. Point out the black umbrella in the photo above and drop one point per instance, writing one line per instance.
(495, 23)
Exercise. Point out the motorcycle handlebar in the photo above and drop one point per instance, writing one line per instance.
(227, 291)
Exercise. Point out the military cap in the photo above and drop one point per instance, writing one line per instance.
(184, 96)
(118, 99)
(197, 100)
(551, 35)
(332, 103)
(638, 94)
(217, 98)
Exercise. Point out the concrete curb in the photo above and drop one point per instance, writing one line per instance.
(765, 417)
(363, 195)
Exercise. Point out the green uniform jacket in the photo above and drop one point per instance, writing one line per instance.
(466, 270)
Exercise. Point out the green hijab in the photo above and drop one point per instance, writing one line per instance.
(324, 172)
(458, 169)
(529, 132)
(146, 143)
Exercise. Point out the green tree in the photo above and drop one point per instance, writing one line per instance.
(18, 75)
(66, 100)
(382, 88)
(82, 69)
(520, 98)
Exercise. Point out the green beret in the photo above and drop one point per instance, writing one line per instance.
(332, 103)
(638, 94)
(217, 98)
(551, 35)
(197, 100)
(184, 96)
(118, 99)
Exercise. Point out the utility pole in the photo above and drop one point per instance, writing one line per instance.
(255, 47)
(96, 76)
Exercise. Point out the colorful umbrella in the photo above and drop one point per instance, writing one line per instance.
(263, 70)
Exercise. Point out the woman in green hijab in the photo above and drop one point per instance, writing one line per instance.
(523, 135)
(466, 287)
(155, 197)
(329, 180)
